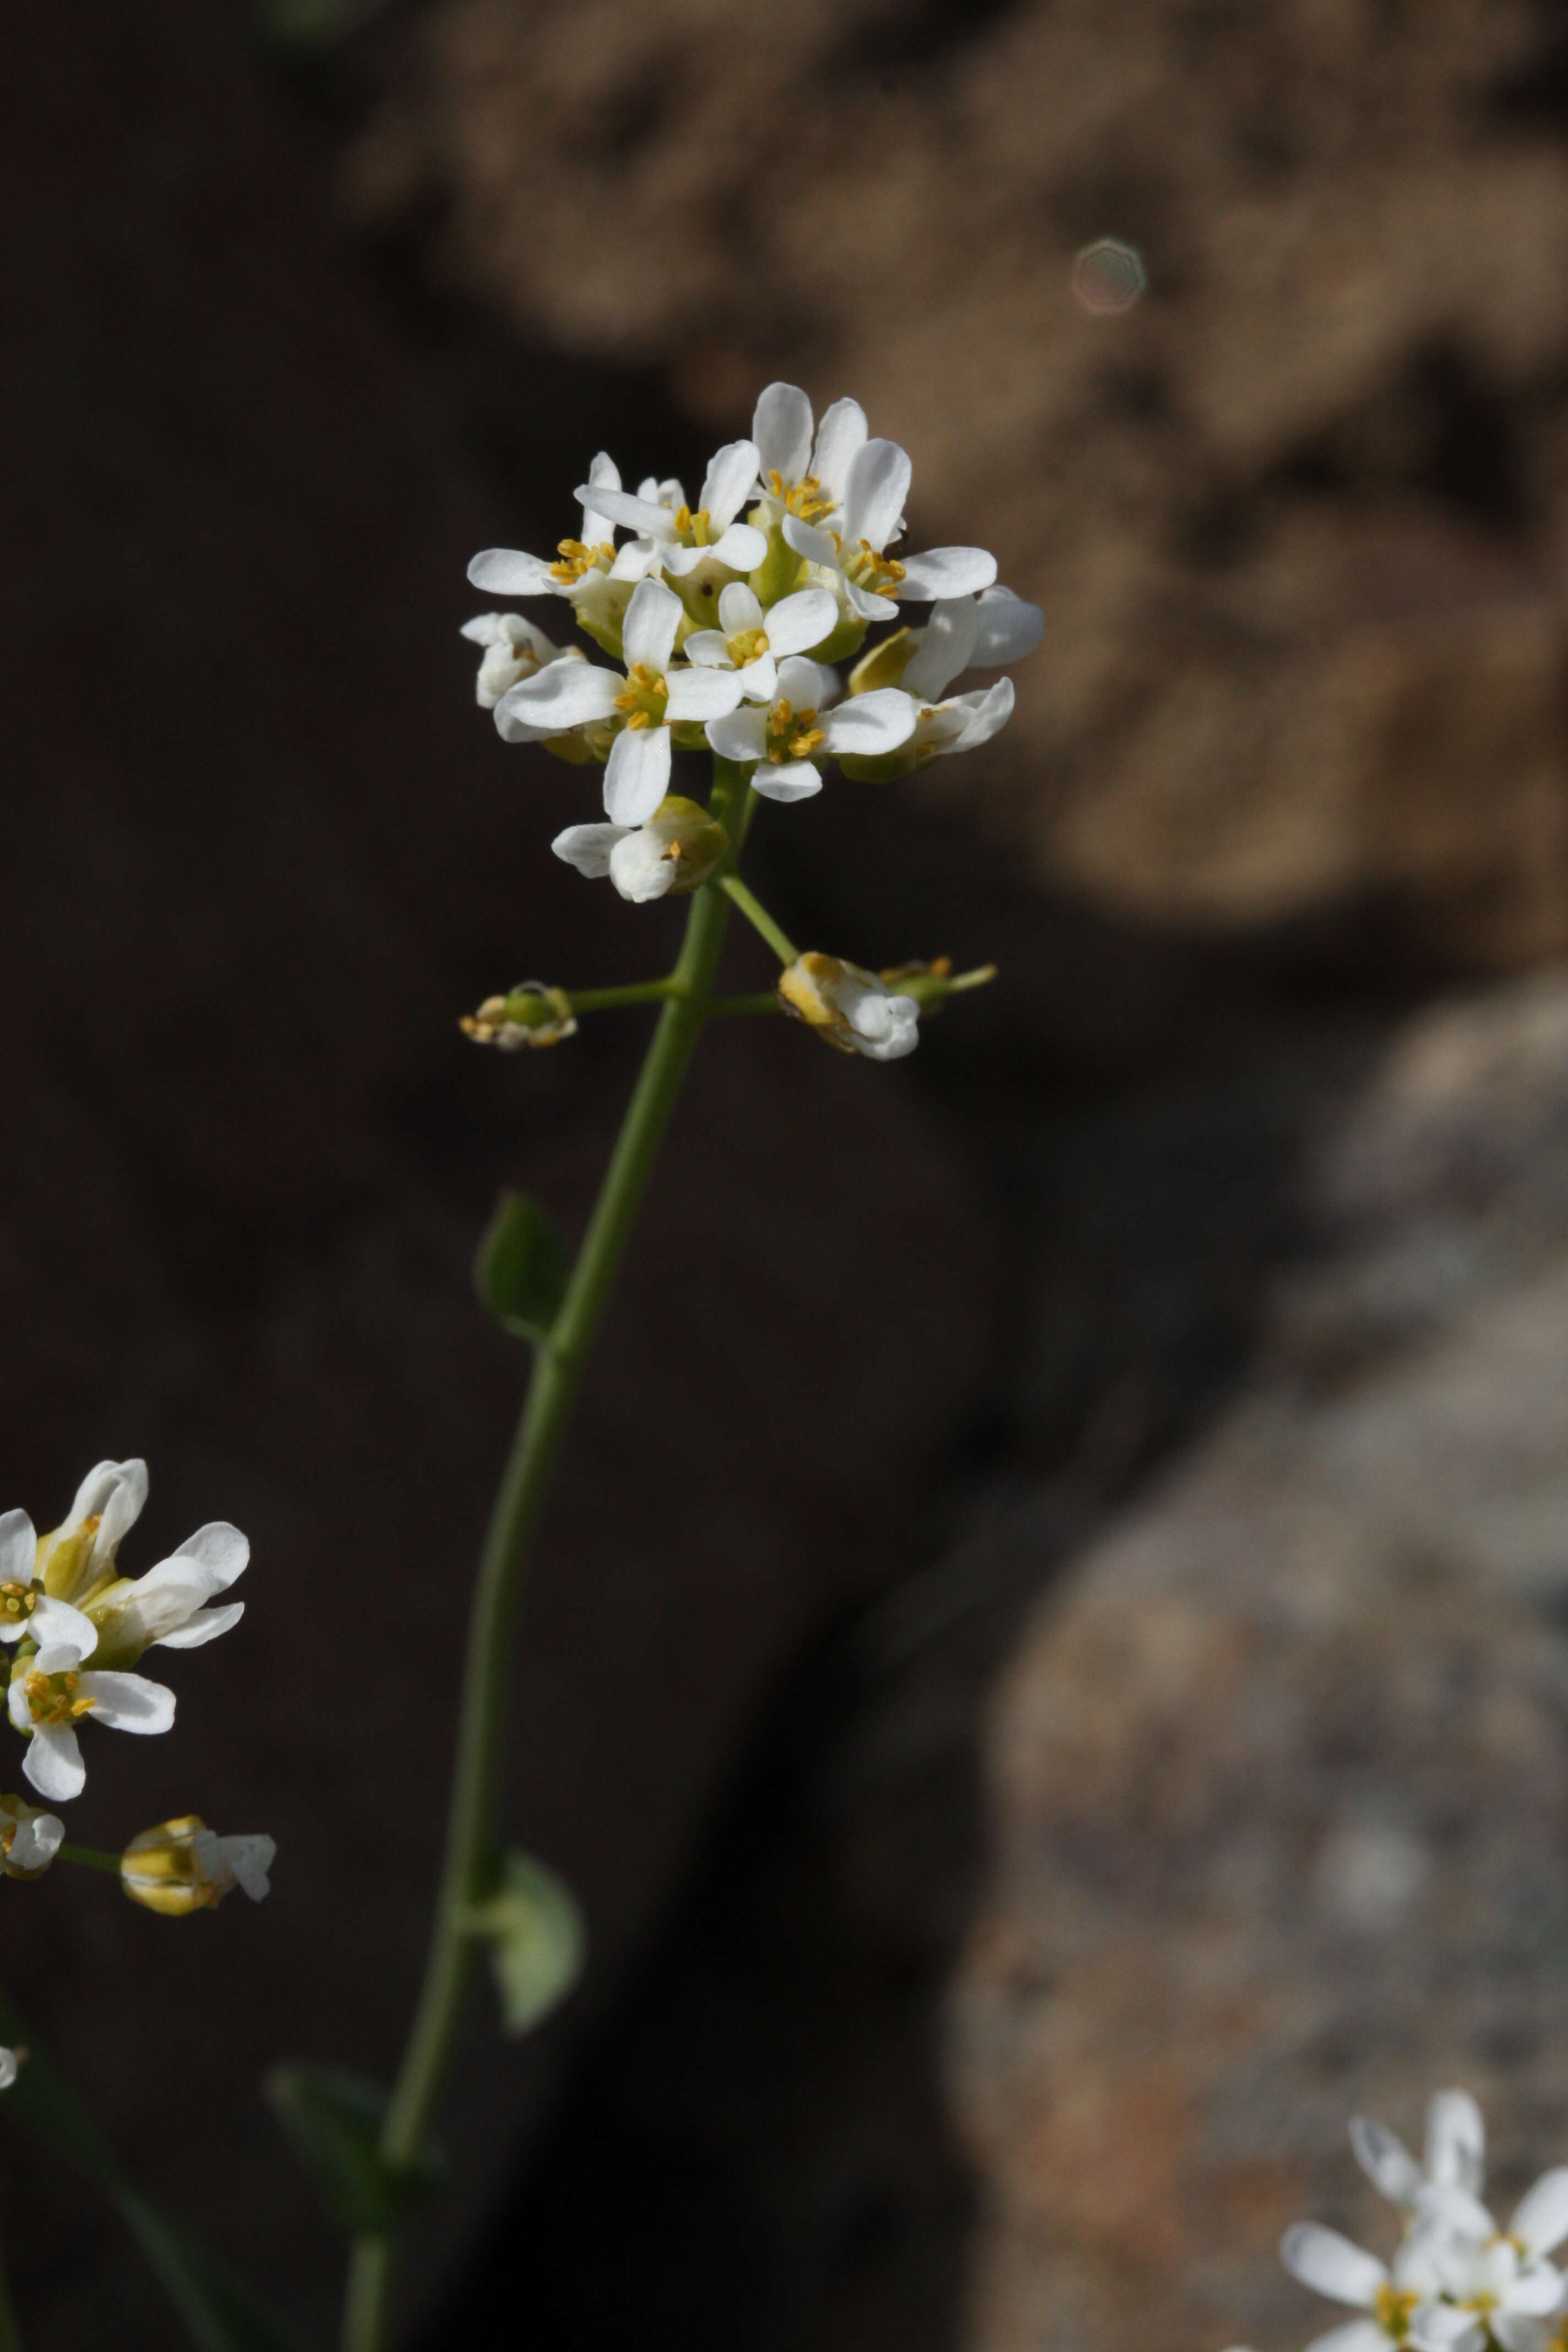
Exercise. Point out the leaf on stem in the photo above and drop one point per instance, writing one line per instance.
(333, 2120)
(522, 1267)
(537, 1941)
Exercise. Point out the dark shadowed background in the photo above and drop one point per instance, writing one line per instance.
(1048, 1666)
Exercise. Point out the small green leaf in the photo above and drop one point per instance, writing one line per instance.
(333, 2121)
(537, 1941)
(522, 1267)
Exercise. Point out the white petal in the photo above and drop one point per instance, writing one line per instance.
(1517, 2332)
(1449, 2209)
(603, 474)
(16, 1706)
(639, 868)
(1439, 2327)
(588, 848)
(731, 479)
(696, 694)
(8, 2069)
(1456, 2141)
(37, 1842)
(988, 714)
(946, 649)
(710, 648)
(792, 780)
(220, 1549)
(637, 558)
(742, 735)
(946, 572)
(874, 496)
(54, 1621)
(839, 436)
(760, 680)
(204, 1627)
(808, 540)
(637, 774)
(508, 572)
(57, 1658)
(53, 1763)
(250, 1859)
(781, 431)
(121, 1496)
(1386, 2161)
(739, 608)
(18, 1550)
(742, 547)
(129, 1702)
(1537, 2291)
(1540, 2221)
(797, 622)
(869, 606)
(647, 632)
(639, 515)
(1329, 2263)
(564, 695)
(809, 685)
(867, 724)
(1009, 628)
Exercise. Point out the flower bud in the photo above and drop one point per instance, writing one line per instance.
(849, 1007)
(29, 1840)
(183, 1866)
(886, 663)
(532, 1014)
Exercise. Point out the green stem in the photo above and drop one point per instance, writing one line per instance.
(722, 1008)
(636, 991)
(472, 1860)
(90, 1857)
(758, 918)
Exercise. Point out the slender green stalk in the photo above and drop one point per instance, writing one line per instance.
(722, 1008)
(91, 1858)
(758, 916)
(602, 1000)
(471, 1866)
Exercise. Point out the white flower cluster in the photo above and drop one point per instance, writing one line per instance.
(1458, 2283)
(725, 620)
(63, 1600)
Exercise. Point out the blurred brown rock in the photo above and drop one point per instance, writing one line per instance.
(1299, 518)
(1279, 1774)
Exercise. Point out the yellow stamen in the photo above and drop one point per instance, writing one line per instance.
(696, 529)
(878, 574)
(806, 497)
(17, 1600)
(645, 697)
(746, 645)
(1394, 2308)
(792, 734)
(55, 1698)
(577, 559)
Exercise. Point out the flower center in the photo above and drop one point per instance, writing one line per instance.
(806, 497)
(746, 645)
(55, 1698)
(695, 530)
(878, 574)
(792, 734)
(645, 697)
(1394, 2308)
(577, 559)
(16, 1602)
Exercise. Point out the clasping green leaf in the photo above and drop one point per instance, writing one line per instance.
(333, 2120)
(537, 1940)
(522, 1267)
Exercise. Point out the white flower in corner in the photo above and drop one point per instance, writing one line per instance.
(1401, 2303)
(580, 563)
(675, 851)
(804, 474)
(50, 1694)
(1454, 2153)
(513, 649)
(643, 705)
(783, 743)
(25, 1607)
(854, 551)
(674, 537)
(753, 642)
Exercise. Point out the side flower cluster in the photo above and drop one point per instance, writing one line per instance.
(1456, 2282)
(726, 621)
(64, 1603)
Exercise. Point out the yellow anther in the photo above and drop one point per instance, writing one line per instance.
(644, 698)
(1393, 2309)
(577, 559)
(878, 574)
(746, 645)
(17, 1600)
(792, 734)
(55, 1698)
(694, 529)
(806, 497)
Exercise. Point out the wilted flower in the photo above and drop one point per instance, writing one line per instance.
(29, 1840)
(183, 1866)
(850, 1008)
(531, 1014)
(514, 650)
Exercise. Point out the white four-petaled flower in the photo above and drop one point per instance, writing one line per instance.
(50, 1694)
(783, 742)
(753, 642)
(671, 536)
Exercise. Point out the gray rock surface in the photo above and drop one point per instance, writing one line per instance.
(1278, 1774)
